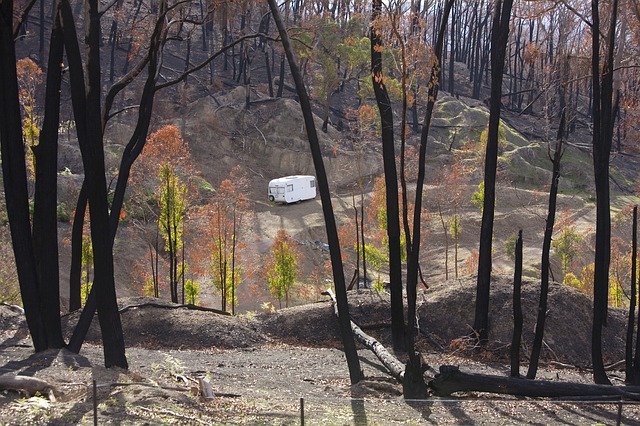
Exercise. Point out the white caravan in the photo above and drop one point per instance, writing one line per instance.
(291, 189)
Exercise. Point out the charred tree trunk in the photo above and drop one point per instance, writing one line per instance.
(499, 38)
(630, 374)
(452, 380)
(281, 79)
(45, 213)
(269, 78)
(395, 367)
(517, 310)
(414, 385)
(452, 53)
(602, 138)
(351, 354)
(75, 273)
(14, 174)
(86, 106)
(545, 264)
(391, 181)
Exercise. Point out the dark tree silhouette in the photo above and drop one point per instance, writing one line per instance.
(517, 309)
(45, 218)
(545, 264)
(499, 39)
(88, 118)
(602, 82)
(351, 354)
(391, 181)
(630, 373)
(414, 385)
(14, 173)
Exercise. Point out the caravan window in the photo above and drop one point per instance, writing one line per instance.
(312, 184)
(289, 188)
(272, 190)
(280, 190)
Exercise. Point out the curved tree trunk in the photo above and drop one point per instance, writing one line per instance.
(351, 354)
(414, 385)
(86, 106)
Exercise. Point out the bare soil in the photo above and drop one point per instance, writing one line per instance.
(261, 366)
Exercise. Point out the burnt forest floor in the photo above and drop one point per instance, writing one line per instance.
(260, 366)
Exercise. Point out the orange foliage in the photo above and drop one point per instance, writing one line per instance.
(29, 78)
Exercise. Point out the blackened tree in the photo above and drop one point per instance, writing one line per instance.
(499, 39)
(351, 354)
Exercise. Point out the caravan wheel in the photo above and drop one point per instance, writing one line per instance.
(271, 198)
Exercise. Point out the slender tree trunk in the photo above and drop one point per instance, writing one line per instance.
(86, 106)
(545, 264)
(414, 385)
(45, 217)
(517, 310)
(75, 302)
(391, 181)
(14, 174)
(446, 245)
(132, 150)
(233, 264)
(602, 137)
(281, 79)
(452, 53)
(630, 374)
(499, 38)
(353, 361)
(269, 78)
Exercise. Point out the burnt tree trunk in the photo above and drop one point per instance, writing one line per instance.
(452, 380)
(602, 138)
(281, 79)
(353, 362)
(14, 173)
(414, 385)
(630, 374)
(545, 264)
(452, 52)
(86, 106)
(517, 310)
(395, 367)
(499, 38)
(75, 273)
(391, 181)
(45, 212)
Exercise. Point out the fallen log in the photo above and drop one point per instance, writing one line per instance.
(451, 380)
(26, 385)
(185, 306)
(395, 367)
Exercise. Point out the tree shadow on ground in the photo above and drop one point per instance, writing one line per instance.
(422, 406)
(359, 411)
(21, 334)
(520, 418)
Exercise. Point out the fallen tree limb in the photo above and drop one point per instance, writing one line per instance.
(395, 367)
(186, 306)
(27, 385)
(618, 365)
(451, 380)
